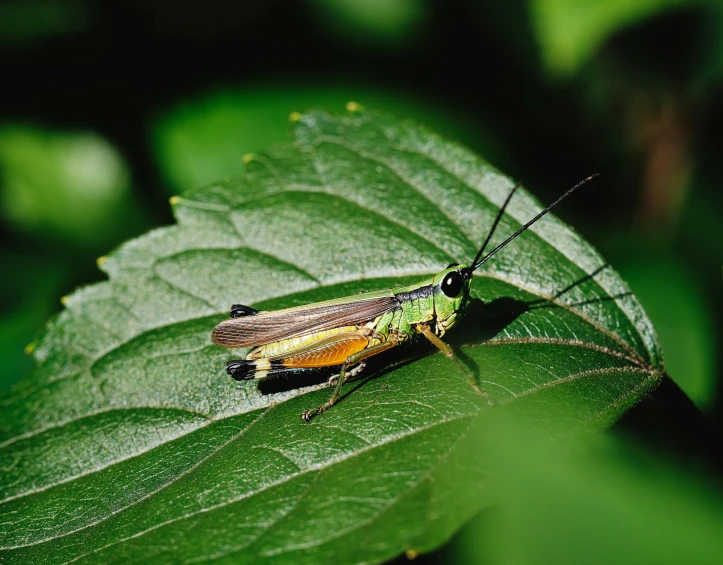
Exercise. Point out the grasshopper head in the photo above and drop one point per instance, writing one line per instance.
(451, 288)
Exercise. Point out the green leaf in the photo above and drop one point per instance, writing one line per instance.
(68, 186)
(130, 443)
(611, 502)
(569, 31)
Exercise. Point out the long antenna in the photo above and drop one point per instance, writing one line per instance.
(497, 221)
(477, 264)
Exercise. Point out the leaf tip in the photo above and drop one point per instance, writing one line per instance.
(64, 300)
(99, 261)
(174, 200)
(352, 106)
(294, 117)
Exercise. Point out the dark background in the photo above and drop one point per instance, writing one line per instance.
(154, 97)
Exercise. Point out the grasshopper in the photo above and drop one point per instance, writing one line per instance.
(343, 332)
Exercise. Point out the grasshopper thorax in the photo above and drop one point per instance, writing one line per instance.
(450, 291)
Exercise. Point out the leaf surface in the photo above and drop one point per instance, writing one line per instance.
(129, 443)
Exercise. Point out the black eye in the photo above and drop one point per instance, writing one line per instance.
(452, 284)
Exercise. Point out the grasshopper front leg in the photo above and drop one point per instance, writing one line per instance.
(425, 330)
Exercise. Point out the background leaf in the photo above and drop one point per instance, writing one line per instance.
(569, 32)
(676, 304)
(130, 443)
(612, 495)
(71, 186)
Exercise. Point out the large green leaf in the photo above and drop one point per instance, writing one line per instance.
(131, 444)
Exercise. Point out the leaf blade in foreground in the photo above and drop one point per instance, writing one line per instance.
(131, 443)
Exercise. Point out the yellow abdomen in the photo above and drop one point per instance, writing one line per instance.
(288, 346)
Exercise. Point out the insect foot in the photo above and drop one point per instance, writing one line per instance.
(309, 414)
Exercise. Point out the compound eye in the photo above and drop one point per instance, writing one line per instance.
(452, 284)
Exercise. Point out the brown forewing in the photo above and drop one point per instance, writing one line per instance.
(268, 327)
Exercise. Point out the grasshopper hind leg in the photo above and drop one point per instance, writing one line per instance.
(340, 378)
(343, 376)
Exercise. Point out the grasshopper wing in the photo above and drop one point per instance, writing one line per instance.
(268, 327)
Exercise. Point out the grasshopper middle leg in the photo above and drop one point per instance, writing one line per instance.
(352, 373)
(449, 352)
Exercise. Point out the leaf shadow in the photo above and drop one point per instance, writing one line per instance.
(484, 321)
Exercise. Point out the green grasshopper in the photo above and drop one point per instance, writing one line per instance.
(343, 332)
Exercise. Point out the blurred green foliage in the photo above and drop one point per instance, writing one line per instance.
(72, 186)
(607, 502)
(24, 21)
(24, 312)
(67, 194)
(676, 304)
(377, 24)
(570, 32)
(548, 90)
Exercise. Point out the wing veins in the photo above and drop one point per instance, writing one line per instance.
(268, 327)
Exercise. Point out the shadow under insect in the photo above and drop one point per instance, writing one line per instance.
(485, 321)
(376, 366)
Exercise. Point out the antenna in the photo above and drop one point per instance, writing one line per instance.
(497, 221)
(477, 263)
